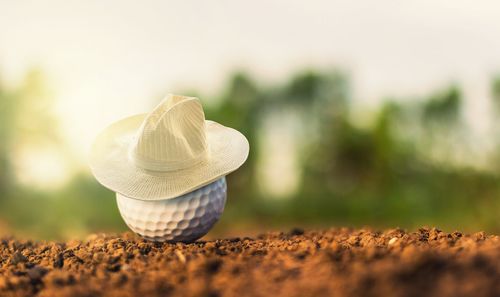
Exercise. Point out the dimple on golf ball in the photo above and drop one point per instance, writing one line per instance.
(184, 218)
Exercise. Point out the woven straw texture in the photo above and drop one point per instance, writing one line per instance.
(167, 153)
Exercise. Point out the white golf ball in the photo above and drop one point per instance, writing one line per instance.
(184, 218)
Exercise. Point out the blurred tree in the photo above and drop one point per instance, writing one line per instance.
(35, 121)
(443, 127)
(304, 88)
(337, 147)
(495, 97)
(240, 104)
(327, 91)
(443, 107)
(386, 147)
(495, 93)
(25, 120)
(7, 112)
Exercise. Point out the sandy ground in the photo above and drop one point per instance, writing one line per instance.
(336, 262)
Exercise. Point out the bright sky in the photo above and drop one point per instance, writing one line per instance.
(108, 59)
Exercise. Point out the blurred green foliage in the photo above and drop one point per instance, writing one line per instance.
(350, 174)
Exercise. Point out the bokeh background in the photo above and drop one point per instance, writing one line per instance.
(378, 113)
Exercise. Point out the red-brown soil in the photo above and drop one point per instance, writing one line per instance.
(336, 262)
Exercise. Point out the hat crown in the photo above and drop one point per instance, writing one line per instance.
(172, 136)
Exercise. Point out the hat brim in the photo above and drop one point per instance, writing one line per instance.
(112, 167)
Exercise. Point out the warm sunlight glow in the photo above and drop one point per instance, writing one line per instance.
(42, 168)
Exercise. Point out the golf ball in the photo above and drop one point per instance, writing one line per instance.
(184, 218)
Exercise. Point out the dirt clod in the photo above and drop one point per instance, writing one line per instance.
(296, 231)
(335, 262)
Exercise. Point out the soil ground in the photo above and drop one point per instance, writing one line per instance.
(336, 262)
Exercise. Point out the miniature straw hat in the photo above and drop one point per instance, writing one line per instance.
(167, 153)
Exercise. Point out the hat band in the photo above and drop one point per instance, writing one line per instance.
(157, 165)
